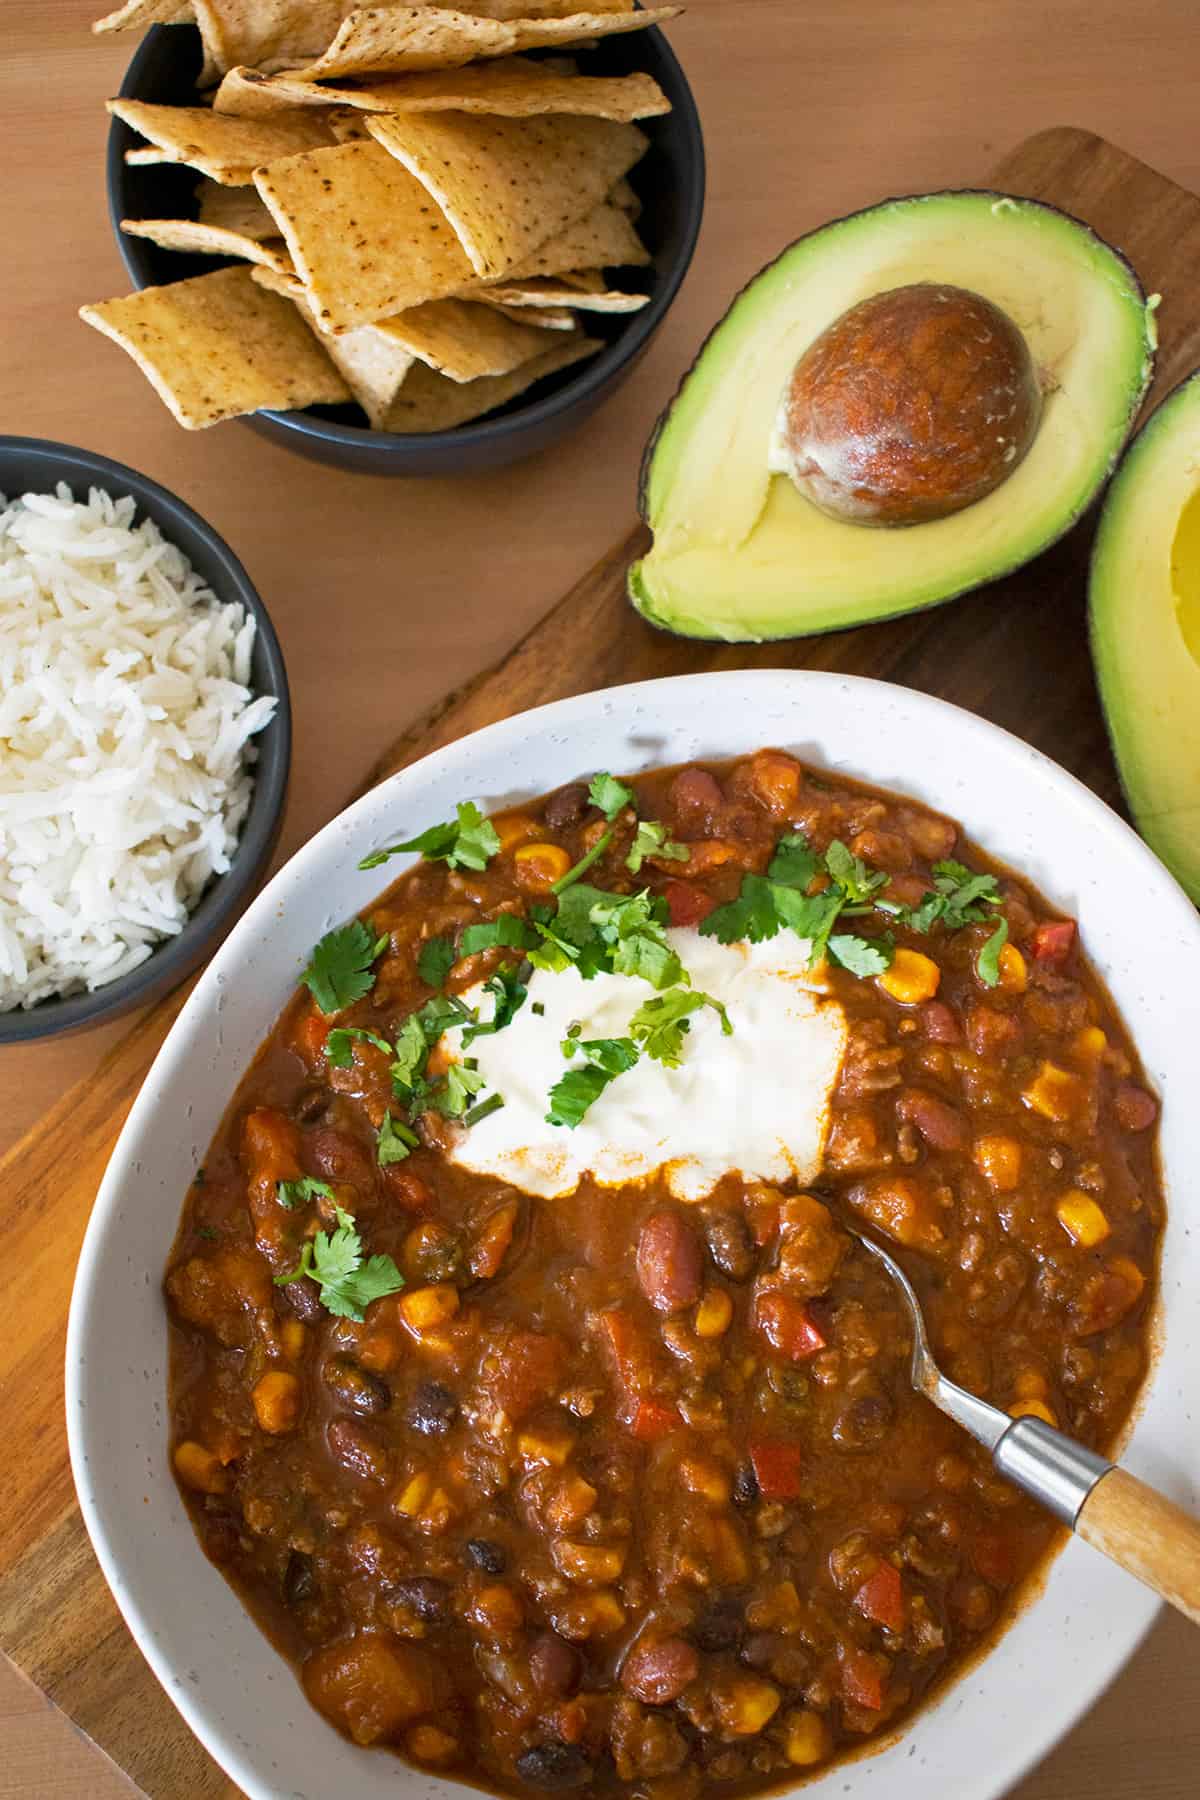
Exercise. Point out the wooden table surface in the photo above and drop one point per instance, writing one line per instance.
(387, 594)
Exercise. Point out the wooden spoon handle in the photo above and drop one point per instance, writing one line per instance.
(1148, 1535)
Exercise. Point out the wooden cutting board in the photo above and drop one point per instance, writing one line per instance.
(1015, 653)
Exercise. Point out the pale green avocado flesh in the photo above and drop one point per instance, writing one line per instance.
(738, 554)
(1144, 602)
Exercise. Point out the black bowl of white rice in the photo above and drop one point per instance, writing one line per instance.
(145, 738)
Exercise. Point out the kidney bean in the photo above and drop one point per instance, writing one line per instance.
(1134, 1107)
(695, 794)
(656, 1674)
(566, 807)
(687, 905)
(942, 1127)
(337, 1157)
(669, 1263)
(555, 1666)
(730, 1245)
(991, 1033)
(357, 1451)
(939, 1023)
(427, 1598)
(361, 1391)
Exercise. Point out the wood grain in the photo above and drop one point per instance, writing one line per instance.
(1148, 1535)
(1014, 653)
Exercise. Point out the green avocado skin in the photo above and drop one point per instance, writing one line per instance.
(723, 606)
(1147, 675)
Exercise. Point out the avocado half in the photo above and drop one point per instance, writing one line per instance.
(1144, 608)
(739, 555)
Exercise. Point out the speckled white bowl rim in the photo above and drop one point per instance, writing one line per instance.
(238, 1696)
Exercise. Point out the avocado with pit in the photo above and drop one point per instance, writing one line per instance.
(744, 552)
(1144, 608)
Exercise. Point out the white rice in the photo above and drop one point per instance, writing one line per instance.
(125, 720)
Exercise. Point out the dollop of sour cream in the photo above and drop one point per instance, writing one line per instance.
(755, 1102)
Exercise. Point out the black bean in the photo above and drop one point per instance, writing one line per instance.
(730, 1245)
(720, 1625)
(745, 1485)
(427, 1598)
(299, 1582)
(356, 1387)
(566, 807)
(304, 1298)
(311, 1106)
(553, 1765)
(433, 1409)
(864, 1423)
(486, 1555)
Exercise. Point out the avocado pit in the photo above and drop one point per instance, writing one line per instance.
(912, 405)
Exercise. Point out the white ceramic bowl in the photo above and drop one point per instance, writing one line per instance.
(238, 1696)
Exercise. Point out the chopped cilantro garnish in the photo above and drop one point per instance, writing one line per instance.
(659, 1025)
(506, 931)
(585, 862)
(988, 960)
(857, 882)
(453, 1096)
(862, 956)
(435, 961)
(609, 794)
(412, 1047)
(632, 928)
(395, 1141)
(468, 841)
(574, 1092)
(764, 907)
(539, 1009)
(794, 864)
(484, 1110)
(653, 839)
(958, 898)
(339, 1044)
(335, 1262)
(298, 1193)
(339, 971)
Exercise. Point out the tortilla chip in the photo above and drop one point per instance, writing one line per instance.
(254, 31)
(235, 209)
(209, 240)
(546, 318)
(403, 39)
(364, 235)
(506, 185)
(149, 153)
(549, 290)
(428, 402)
(138, 15)
(373, 364)
(604, 239)
(218, 346)
(347, 126)
(283, 281)
(512, 87)
(462, 340)
(227, 150)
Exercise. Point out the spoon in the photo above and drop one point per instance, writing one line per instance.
(1132, 1524)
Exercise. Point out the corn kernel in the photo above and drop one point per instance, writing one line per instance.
(1030, 1384)
(753, 1704)
(413, 1494)
(1032, 1409)
(728, 1555)
(428, 1743)
(518, 828)
(1013, 974)
(807, 1739)
(436, 1514)
(1090, 1043)
(380, 1351)
(498, 1611)
(200, 1469)
(570, 1503)
(539, 866)
(699, 1476)
(591, 1565)
(1055, 1093)
(1082, 1219)
(291, 1337)
(276, 1401)
(998, 1160)
(425, 1308)
(590, 1615)
(547, 1447)
(714, 1314)
(911, 978)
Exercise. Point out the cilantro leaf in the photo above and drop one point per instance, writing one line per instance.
(754, 916)
(988, 960)
(395, 1141)
(862, 956)
(334, 1260)
(412, 1047)
(505, 931)
(453, 1096)
(653, 839)
(340, 1041)
(468, 841)
(573, 1093)
(659, 1024)
(857, 882)
(958, 898)
(297, 1193)
(794, 864)
(609, 794)
(435, 961)
(508, 992)
(339, 971)
(377, 1277)
(615, 1056)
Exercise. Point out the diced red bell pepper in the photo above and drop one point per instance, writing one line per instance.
(762, 1216)
(1053, 942)
(686, 904)
(629, 1351)
(881, 1598)
(784, 1322)
(776, 1465)
(652, 1420)
(862, 1682)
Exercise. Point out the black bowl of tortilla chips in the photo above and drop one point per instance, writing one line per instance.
(412, 405)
